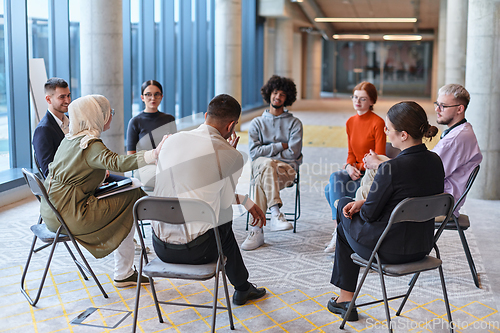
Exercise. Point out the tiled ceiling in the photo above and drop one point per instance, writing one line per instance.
(427, 12)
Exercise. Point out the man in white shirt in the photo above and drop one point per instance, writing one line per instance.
(204, 164)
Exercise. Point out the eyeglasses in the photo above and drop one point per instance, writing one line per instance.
(442, 106)
(361, 99)
(156, 95)
(112, 112)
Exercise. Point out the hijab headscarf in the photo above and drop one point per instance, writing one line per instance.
(87, 117)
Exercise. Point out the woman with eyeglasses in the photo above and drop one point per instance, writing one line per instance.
(146, 129)
(365, 132)
(101, 225)
(415, 172)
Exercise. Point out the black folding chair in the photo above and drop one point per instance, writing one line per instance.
(410, 210)
(462, 223)
(62, 235)
(179, 211)
(290, 216)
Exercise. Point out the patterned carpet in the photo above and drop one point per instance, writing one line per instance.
(293, 268)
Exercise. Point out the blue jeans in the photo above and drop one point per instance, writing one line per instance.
(341, 185)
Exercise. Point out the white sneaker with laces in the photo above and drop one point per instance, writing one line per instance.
(279, 223)
(254, 239)
(331, 246)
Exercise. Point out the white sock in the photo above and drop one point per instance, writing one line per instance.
(275, 210)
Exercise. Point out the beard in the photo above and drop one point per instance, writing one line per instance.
(276, 106)
(444, 121)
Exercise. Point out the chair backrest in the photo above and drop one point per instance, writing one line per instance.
(38, 189)
(470, 181)
(420, 209)
(38, 166)
(174, 210)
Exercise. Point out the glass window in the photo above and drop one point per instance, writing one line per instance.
(38, 30)
(395, 68)
(74, 48)
(136, 84)
(4, 117)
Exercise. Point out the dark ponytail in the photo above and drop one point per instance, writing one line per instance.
(411, 118)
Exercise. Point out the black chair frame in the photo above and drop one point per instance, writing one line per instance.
(179, 211)
(461, 224)
(410, 210)
(62, 235)
(290, 217)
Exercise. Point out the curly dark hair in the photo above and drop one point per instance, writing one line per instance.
(280, 83)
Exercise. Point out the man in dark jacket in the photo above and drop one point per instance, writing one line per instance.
(54, 125)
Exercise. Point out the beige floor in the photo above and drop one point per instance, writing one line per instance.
(292, 267)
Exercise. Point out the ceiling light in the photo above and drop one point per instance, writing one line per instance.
(402, 37)
(366, 19)
(351, 36)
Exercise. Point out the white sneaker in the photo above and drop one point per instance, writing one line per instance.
(254, 239)
(331, 246)
(138, 248)
(279, 223)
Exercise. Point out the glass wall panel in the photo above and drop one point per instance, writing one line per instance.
(395, 68)
(136, 81)
(38, 32)
(4, 118)
(74, 48)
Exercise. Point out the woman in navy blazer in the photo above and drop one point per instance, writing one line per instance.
(415, 172)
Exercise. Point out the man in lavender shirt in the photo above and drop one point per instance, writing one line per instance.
(458, 146)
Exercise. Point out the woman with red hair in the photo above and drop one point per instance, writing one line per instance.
(365, 132)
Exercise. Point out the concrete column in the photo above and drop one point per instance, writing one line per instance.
(283, 61)
(441, 44)
(101, 45)
(483, 82)
(456, 41)
(228, 48)
(314, 48)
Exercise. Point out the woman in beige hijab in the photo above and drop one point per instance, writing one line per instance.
(79, 167)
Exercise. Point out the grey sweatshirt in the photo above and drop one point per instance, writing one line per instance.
(267, 132)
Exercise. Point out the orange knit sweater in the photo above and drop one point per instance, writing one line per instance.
(364, 132)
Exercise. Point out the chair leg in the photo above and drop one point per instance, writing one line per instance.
(356, 293)
(216, 293)
(76, 262)
(413, 281)
(386, 302)
(228, 301)
(446, 302)
(297, 208)
(42, 282)
(155, 298)
(88, 268)
(42, 247)
(469, 257)
(137, 295)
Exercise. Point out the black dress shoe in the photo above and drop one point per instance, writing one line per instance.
(241, 297)
(341, 309)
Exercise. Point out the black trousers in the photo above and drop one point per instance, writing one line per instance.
(345, 271)
(206, 251)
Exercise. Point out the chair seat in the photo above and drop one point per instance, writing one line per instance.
(425, 264)
(47, 236)
(158, 268)
(463, 222)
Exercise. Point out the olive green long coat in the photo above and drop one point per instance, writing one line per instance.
(100, 225)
